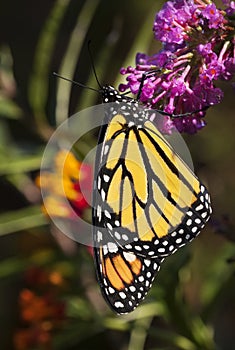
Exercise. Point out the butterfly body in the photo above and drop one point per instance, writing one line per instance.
(147, 203)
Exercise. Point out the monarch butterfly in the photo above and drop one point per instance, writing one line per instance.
(147, 203)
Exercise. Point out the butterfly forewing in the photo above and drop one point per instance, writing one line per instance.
(146, 204)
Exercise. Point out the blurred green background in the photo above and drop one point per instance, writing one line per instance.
(192, 303)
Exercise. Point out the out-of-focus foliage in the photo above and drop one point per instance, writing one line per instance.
(49, 295)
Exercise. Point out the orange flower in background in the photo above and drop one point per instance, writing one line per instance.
(35, 308)
(26, 339)
(41, 278)
(41, 314)
(71, 180)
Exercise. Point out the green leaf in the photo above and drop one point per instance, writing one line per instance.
(22, 219)
(71, 56)
(38, 86)
(20, 164)
(9, 109)
(16, 265)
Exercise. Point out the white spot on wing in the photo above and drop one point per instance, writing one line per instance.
(122, 295)
(112, 247)
(109, 226)
(107, 214)
(103, 195)
(111, 290)
(118, 304)
(125, 237)
(106, 178)
(117, 235)
(99, 236)
(99, 212)
(129, 256)
(189, 222)
(147, 262)
(199, 207)
(155, 266)
(128, 246)
(99, 183)
(138, 248)
(161, 250)
(132, 288)
(106, 148)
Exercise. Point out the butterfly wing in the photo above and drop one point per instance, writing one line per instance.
(147, 203)
(124, 277)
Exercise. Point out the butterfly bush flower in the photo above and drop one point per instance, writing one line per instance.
(197, 49)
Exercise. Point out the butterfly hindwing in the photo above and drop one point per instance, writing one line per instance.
(124, 277)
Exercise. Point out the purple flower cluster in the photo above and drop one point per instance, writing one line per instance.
(198, 49)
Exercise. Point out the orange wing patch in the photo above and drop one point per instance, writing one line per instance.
(121, 269)
(112, 275)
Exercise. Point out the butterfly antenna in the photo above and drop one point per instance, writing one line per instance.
(75, 82)
(92, 64)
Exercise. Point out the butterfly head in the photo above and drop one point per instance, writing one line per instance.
(110, 94)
